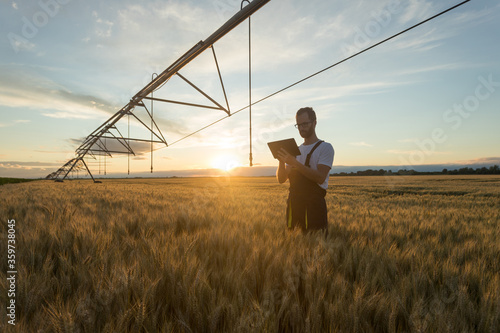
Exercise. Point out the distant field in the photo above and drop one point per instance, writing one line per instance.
(404, 254)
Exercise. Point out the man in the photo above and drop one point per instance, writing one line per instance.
(308, 175)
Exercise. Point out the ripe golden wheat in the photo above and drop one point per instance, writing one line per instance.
(404, 254)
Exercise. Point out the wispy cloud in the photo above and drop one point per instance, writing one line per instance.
(361, 144)
(180, 25)
(482, 160)
(416, 10)
(21, 44)
(116, 146)
(33, 91)
(428, 37)
(475, 17)
(103, 28)
(13, 123)
(319, 92)
(21, 164)
(424, 41)
(417, 152)
(436, 68)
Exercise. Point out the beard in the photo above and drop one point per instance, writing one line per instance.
(307, 133)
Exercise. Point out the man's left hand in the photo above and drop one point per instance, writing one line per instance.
(285, 157)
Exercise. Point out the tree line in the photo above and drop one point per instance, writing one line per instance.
(492, 170)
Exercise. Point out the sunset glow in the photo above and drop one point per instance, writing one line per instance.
(225, 162)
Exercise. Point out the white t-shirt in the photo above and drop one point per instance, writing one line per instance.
(322, 155)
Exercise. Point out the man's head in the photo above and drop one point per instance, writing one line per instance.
(306, 121)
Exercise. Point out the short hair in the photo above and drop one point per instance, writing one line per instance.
(310, 112)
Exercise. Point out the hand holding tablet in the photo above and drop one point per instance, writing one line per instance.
(289, 145)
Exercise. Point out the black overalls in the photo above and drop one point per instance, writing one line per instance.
(306, 207)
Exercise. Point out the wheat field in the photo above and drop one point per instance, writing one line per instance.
(403, 254)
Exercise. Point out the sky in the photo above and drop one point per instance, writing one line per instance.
(428, 97)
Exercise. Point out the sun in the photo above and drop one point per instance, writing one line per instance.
(225, 162)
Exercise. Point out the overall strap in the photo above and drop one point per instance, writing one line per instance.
(311, 152)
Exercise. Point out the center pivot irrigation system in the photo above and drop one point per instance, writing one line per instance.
(95, 144)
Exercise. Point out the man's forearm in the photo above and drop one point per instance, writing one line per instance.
(281, 173)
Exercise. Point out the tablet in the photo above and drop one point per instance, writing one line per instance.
(289, 145)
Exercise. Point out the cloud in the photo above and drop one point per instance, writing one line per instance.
(20, 170)
(424, 41)
(428, 37)
(20, 164)
(436, 68)
(321, 92)
(480, 161)
(31, 90)
(416, 10)
(53, 151)
(117, 147)
(103, 28)
(19, 43)
(416, 152)
(13, 123)
(475, 17)
(146, 35)
(163, 31)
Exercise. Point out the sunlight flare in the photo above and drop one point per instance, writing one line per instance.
(225, 162)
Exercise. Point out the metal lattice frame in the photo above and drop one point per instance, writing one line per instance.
(94, 145)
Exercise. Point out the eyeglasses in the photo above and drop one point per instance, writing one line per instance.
(304, 124)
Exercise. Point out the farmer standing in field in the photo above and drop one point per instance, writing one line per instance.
(308, 174)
